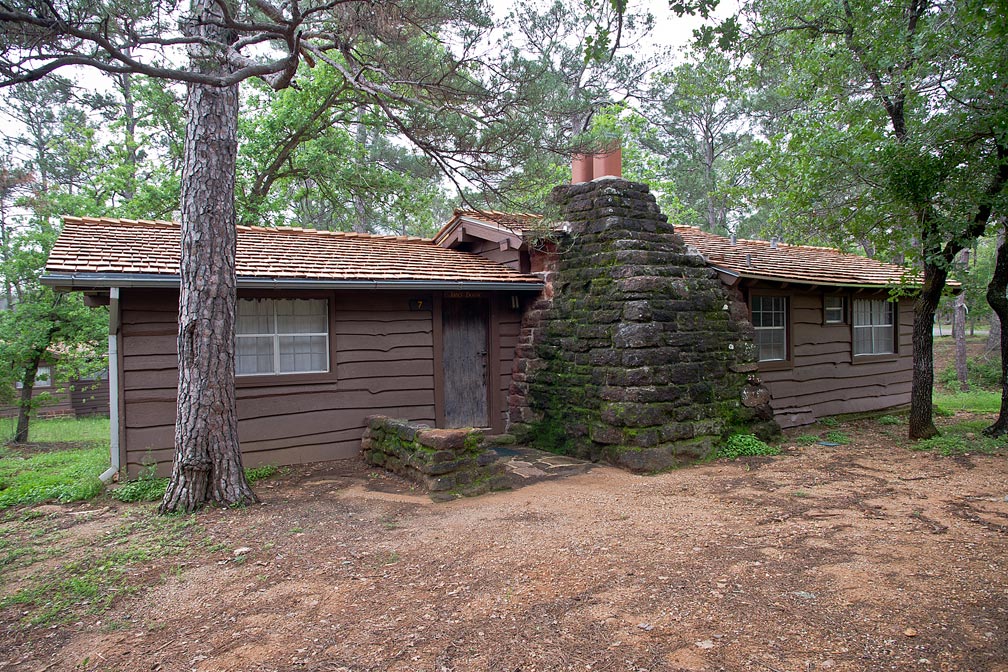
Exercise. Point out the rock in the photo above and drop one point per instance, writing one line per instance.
(705, 644)
(910, 632)
(242, 550)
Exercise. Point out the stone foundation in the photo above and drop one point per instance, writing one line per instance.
(447, 463)
(637, 353)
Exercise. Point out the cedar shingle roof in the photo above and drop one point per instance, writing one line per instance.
(117, 246)
(757, 259)
(795, 263)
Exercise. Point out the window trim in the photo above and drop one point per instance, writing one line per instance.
(775, 364)
(870, 357)
(845, 309)
(39, 385)
(277, 379)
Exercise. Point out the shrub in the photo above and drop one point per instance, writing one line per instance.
(739, 445)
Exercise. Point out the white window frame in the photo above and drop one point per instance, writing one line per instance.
(43, 378)
(276, 335)
(783, 328)
(874, 327)
(827, 308)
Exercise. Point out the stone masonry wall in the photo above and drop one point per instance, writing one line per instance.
(448, 463)
(636, 354)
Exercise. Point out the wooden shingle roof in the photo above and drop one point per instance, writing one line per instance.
(756, 259)
(99, 247)
(760, 259)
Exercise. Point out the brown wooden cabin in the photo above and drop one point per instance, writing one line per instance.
(830, 339)
(331, 328)
(78, 398)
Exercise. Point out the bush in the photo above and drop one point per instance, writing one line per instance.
(739, 445)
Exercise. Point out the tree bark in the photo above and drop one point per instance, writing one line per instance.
(25, 400)
(997, 297)
(208, 463)
(959, 332)
(921, 421)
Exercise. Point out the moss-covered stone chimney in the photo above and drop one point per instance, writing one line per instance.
(636, 354)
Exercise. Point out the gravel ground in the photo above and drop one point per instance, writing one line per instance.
(856, 557)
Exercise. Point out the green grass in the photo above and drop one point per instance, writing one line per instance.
(890, 420)
(975, 401)
(62, 476)
(960, 439)
(837, 437)
(147, 488)
(739, 445)
(807, 439)
(59, 430)
(69, 475)
(103, 569)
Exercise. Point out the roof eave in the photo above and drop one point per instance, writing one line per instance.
(815, 283)
(73, 281)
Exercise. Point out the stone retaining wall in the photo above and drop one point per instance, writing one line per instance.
(448, 463)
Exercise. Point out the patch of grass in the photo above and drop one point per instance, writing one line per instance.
(800, 493)
(143, 489)
(806, 439)
(829, 422)
(104, 570)
(148, 488)
(982, 372)
(59, 430)
(61, 476)
(974, 401)
(960, 439)
(890, 420)
(259, 473)
(739, 445)
(837, 437)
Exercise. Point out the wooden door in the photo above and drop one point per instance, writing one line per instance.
(465, 347)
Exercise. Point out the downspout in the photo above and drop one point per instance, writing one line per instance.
(113, 380)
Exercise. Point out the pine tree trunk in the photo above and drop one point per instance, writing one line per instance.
(997, 297)
(208, 463)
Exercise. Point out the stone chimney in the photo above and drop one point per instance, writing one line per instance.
(641, 356)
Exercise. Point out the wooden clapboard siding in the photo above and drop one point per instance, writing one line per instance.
(824, 379)
(381, 355)
(508, 328)
(90, 397)
(382, 360)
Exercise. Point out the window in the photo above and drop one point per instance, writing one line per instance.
(833, 309)
(873, 327)
(43, 378)
(769, 316)
(282, 336)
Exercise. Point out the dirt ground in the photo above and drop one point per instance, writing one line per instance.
(855, 557)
